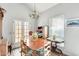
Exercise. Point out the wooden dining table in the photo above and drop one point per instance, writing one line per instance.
(37, 44)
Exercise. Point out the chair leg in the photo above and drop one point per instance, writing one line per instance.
(21, 52)
(34, 53)
(59, 51)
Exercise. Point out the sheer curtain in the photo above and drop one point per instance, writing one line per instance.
(58, 26)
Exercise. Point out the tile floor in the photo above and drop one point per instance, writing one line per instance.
(16, 52)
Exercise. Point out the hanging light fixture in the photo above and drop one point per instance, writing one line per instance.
(34, 14)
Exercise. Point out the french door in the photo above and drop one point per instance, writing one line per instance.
(21, 31)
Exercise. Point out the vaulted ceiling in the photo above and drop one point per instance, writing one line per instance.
(41, 7)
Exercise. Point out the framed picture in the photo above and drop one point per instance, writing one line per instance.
(73, 22)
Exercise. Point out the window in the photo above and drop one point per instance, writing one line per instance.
(21, 31)
(26, 31)
(58, 27)
(18, 31)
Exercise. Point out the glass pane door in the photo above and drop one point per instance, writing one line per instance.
(21, 31)
(18, 31)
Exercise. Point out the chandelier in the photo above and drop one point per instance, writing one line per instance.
(34, 14)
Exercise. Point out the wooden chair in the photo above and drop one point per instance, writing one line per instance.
(24, 48)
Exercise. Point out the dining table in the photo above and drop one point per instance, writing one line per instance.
(37, 44)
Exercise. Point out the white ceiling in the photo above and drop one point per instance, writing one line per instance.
(41, 7)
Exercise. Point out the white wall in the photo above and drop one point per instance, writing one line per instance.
(72, 40)
(69, 10)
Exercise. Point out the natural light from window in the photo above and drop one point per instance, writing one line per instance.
(58, 27)
(21, 31)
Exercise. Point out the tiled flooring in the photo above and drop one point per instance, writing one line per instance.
(16, 52)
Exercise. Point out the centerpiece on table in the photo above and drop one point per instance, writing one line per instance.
(35, 35)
